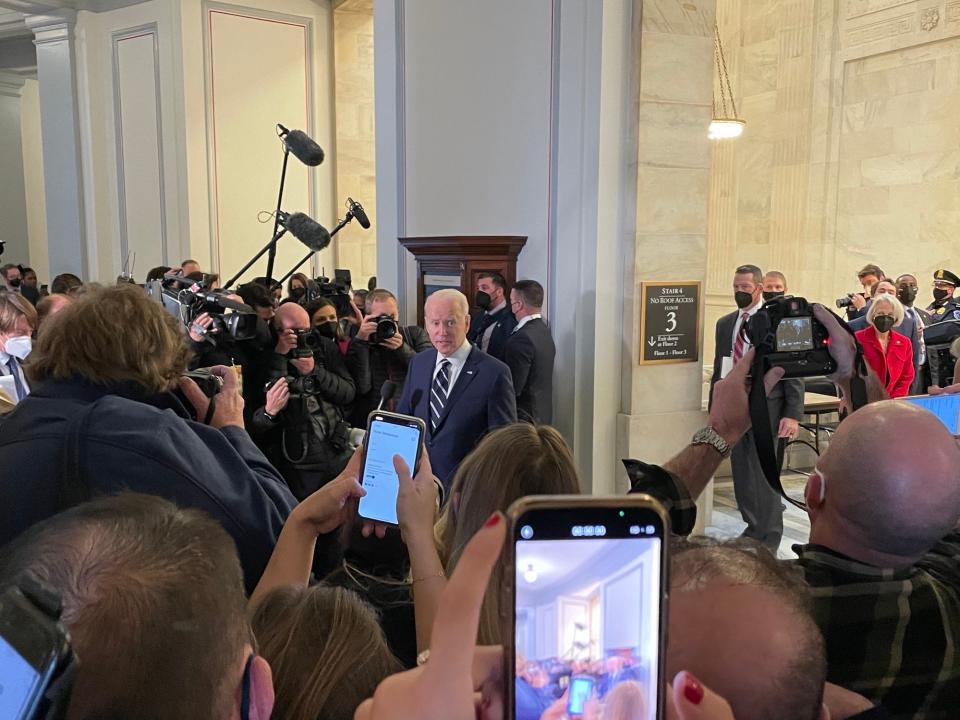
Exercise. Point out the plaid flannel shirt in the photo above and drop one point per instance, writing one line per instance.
(892, 635)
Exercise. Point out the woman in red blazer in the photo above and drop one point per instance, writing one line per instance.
(888, 352)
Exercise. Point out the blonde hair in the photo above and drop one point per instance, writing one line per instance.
(326, 649)
(626, 701)
(111, 335)
(12, 307)
(895, 303)
(510, 463)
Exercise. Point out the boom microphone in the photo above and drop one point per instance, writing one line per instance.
(305, 229)
(302, 146)
(356, 209)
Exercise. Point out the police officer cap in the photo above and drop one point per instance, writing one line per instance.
(947, 277)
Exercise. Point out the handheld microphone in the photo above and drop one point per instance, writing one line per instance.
(302, 146)
(305, 229)
(387, 392)
(356, 209)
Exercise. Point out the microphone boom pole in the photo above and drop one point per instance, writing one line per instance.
(271, 246)
(340, 225)
(276, 218)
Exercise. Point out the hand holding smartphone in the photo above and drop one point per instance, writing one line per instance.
(388, 434)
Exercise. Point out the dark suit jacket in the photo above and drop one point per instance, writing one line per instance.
(529, 355)
(908, 328)
(786, 398)
(481, 400)
(504, 321)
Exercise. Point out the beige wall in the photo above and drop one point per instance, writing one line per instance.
(850, 152)
(355, 146)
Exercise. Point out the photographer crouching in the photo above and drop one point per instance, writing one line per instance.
(301, 427)
(381, 351)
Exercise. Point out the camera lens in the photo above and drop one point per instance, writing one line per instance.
(526, 532)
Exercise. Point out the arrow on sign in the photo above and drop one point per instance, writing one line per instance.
(651, 342)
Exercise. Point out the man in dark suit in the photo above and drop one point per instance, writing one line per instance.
(458, 391)
(529, 354)
(760, 506)
(490, 329)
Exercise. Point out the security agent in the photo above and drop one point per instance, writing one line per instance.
(301, 427)
(381, 351)
(490, 328)
(944, 306)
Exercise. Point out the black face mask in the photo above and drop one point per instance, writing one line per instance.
(15, 282)
(940, 294)
(482, 300)
(883, 323)
(743, 299)
(768, 296)
(297, 293)
(328, 329)
(907, 294)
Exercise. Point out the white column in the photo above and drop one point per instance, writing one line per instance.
(60, 129)
(13, 203)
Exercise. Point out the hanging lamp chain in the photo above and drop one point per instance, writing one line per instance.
(725, 87)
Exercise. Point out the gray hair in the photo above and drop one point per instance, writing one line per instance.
(894, 302)
(451, 295)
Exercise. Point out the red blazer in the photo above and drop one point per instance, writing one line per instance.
(896, 369)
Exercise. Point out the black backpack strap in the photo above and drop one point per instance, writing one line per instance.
(74, 488)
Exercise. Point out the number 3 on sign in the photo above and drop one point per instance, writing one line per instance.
(671, 321)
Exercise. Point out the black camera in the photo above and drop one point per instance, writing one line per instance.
(187, 299)
(308, 341)
(337, 291)
(208, 383)
(303, 385)
(845, 302)
(785, 334)
(386, 328)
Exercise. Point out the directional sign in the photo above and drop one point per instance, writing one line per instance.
(669, 322)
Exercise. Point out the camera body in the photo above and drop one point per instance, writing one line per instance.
(308, 342)
(845, 302)
(337, 291)
(186, 299)
(787, 335)
(208, 383)
(387, 327)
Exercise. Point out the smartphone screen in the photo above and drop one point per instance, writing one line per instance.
(588, 605)
(794, 334)
(945, 407)
(18, 682)
(387, 435)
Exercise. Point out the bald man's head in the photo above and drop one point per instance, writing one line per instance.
(733, 601)
(888, 488)
(292, 316)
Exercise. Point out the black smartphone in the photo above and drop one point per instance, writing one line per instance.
(32, 648)
(388, 434)
(585, 597)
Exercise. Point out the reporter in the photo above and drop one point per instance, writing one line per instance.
(303, 431)
(297, 287)
(101, 419)
(65, 284)
(373, 360)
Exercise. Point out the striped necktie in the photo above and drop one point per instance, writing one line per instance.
(438, 393)
(740, 344)
(17, 382)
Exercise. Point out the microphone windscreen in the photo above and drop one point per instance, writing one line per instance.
(303, 147)
(307, 230)
(387, 391)
(360, 214)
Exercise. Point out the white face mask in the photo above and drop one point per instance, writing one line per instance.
(19, 347)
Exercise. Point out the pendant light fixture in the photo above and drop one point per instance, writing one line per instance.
(725, 124)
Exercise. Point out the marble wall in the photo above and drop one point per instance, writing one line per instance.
(850, 152)
(356, 248)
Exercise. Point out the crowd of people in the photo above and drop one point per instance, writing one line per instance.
(190, 496)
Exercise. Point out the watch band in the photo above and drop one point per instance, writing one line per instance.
(709, 436)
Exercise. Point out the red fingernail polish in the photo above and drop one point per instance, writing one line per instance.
(492, 520)
(693, 691)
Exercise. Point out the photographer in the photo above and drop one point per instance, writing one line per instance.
(381, 351)
(856, 303)
(301, 425)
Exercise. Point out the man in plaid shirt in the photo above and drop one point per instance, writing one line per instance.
(883, 563)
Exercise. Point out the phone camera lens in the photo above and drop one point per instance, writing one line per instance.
(526, 532)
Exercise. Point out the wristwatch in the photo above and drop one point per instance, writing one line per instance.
(709, 436)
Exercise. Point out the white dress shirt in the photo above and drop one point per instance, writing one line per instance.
(524, 321)
(5, 371)
(751, 311)
(488, 333)
(457, 360)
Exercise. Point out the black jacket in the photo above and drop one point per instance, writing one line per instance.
(371, 365)
(128, 444)
(529, 355)
(504, 322)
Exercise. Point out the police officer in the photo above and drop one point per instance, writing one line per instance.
(944, 306)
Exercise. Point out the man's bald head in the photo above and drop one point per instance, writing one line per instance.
(292, 316)
(889, 483)
(733, 601)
